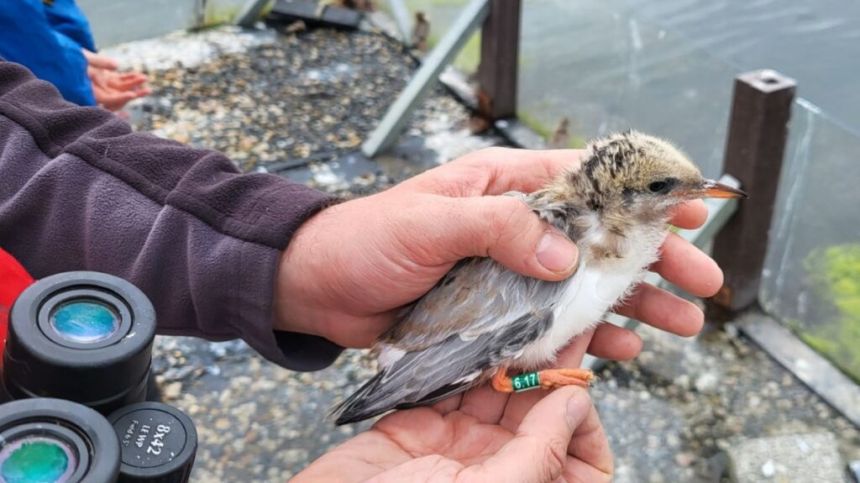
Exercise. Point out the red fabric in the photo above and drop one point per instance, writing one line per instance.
(13, 280)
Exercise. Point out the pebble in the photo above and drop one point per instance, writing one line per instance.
(768, 469)
(684, 459)
(172, 390)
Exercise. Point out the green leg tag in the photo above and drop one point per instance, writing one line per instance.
(525, 381)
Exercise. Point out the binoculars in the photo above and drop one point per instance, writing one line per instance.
(76, 373)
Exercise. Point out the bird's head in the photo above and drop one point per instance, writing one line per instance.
(641, 177)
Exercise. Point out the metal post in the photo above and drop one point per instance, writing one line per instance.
(758, 129)
(497, 72)
(401, 16)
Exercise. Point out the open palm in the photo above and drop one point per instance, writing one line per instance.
(481, 435)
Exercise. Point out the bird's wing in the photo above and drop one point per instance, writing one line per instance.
(443, 369)
(477, 296)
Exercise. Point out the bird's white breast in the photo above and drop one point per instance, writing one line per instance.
(594, 289)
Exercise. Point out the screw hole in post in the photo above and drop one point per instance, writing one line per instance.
(769, 77)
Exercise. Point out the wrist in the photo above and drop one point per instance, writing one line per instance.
(294, 278)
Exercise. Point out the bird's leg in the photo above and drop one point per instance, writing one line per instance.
(501, 382)
(546, 379)
(552, 378)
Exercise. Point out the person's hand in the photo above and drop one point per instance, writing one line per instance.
(350, 267)
(113, 89)
(479, 436)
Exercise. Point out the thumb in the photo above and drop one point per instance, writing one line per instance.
(538, 453)
(504, 228)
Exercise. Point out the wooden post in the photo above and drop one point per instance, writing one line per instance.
(497, 72)
(758, 128)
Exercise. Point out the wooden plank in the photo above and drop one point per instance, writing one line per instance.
(758, 129)
(719, 213)
(425, 78)
(806, 364)
(497, 72)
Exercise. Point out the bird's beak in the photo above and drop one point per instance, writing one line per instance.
(713, 189)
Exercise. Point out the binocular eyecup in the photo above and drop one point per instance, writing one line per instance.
(82, 336)
(45, 440)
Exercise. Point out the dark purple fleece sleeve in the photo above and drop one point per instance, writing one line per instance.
(80, 191)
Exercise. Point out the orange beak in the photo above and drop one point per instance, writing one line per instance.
(713, 189)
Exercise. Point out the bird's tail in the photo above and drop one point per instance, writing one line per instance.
(362, 404)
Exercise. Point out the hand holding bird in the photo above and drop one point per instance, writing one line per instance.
(352, 266)
(480, 435)
(483, 318)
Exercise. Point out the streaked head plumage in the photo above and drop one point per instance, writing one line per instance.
(639, 176)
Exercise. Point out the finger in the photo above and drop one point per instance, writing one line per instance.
(126, 85)
(136, 76)
(614, 343)
(589, 448)
(538, 452)
(690, 215)
(114, 101)
(663, 310)
(684, 265)
(497, 170)
(522, 170)
(485, 403)
(500, 227)
(447, 405)
(572, 354)
(128, 81)
(100, 61)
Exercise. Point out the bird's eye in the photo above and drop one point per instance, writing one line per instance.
(662, 186)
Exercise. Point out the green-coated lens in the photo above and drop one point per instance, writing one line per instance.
(84, 321)
(36, 460)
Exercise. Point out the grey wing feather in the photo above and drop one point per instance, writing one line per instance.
(444, 369)
(476, 296)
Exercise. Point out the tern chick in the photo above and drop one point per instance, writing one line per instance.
(482, 319)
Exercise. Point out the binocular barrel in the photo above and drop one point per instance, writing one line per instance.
(76, 367)
(54, 440)
(82, 336)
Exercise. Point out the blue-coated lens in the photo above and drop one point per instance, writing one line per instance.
(84, 321)
(36, 460)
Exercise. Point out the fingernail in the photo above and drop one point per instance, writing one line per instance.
(556, 252)
(577, 407)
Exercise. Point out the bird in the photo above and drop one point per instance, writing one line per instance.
(481, 320)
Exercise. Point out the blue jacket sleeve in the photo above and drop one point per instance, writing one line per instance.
(66, 18)
(27, 37)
